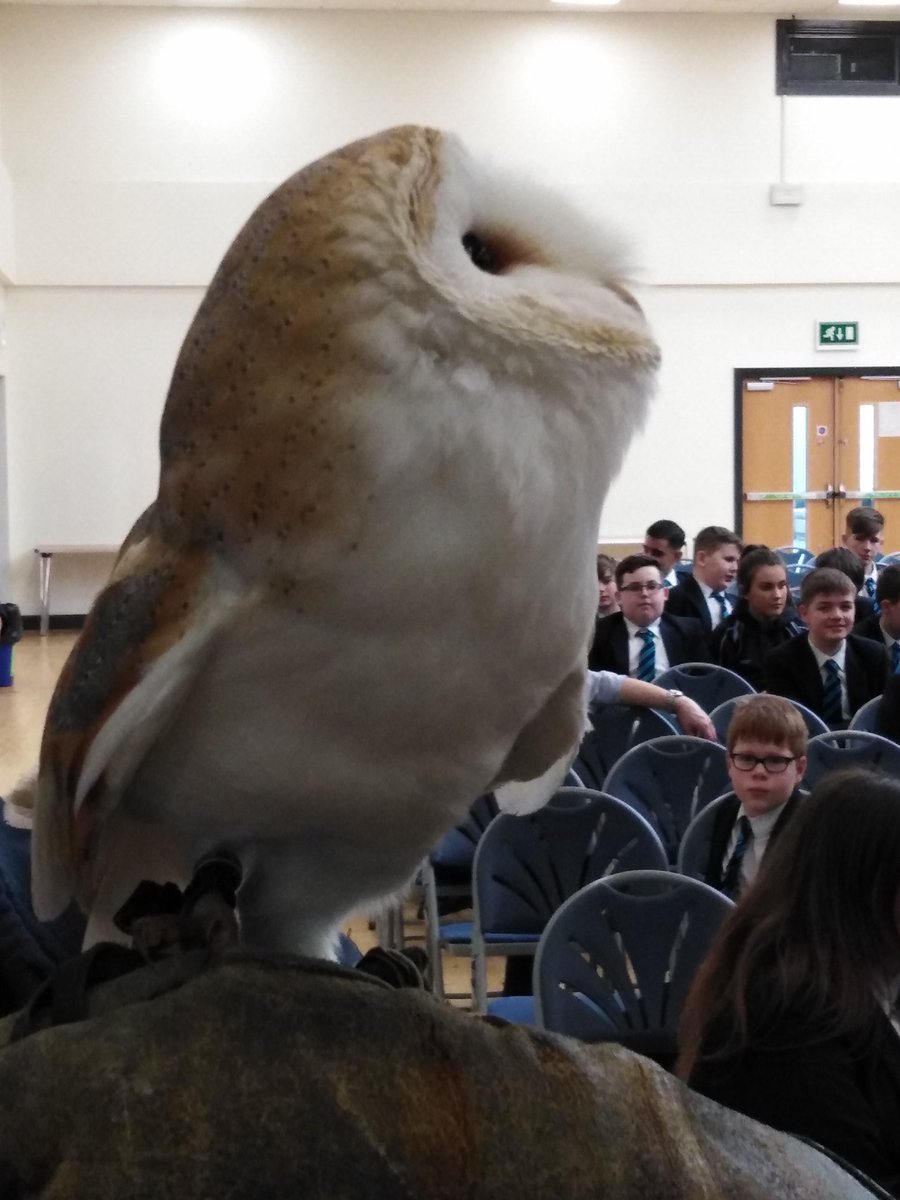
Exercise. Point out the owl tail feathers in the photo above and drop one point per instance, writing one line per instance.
(52, 869)
(18, 806)
(523, 798)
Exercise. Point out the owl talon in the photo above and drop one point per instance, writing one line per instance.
(161, 920)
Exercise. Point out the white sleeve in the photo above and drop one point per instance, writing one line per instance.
(603, 687)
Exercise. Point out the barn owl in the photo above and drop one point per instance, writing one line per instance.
(363, 594)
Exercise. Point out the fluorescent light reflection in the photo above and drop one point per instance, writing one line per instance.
(211, 73)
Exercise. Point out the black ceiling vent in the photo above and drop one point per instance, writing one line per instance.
(838, 58)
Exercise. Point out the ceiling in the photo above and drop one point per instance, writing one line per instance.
(776, 8)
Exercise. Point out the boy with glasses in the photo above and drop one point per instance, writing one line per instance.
(766, 745)
(642, 640)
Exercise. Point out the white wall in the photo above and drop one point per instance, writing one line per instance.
(127, 188)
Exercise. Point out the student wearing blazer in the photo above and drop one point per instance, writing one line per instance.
(789, 1017)
(642, 640)
(703, 593)
(802, 667)
(766, 743)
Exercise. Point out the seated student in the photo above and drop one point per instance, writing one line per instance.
(864, 537)
(607, 603)
(787, 1020)
(702, 593)
(664, 542)
(884, 626)
(642, 640)
(763, 617)
(842, 559)
(828, 669)
(767, 741)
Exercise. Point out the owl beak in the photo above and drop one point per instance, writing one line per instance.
(626, 296)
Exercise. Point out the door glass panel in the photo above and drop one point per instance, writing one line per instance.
(867, 450)
(798, 472)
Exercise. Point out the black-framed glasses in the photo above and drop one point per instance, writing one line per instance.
(775, 764)
(640, 587)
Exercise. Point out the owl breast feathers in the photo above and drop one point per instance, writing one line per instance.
(363, 594)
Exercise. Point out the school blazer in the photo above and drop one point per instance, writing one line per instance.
(687, 600)
(870, 627)
(724, 824)
(791, 670)
(682, 637)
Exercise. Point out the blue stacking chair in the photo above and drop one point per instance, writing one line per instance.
(706, 684)
(866, 718)
(795, 556)
(617, 960)
(616, 728)
(850, 748)
(525, 867)
(668, 781)
(721, 718)
(693, 852)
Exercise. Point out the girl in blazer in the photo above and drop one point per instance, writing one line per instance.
(789, 1018)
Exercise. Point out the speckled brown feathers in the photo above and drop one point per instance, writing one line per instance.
(363, 593)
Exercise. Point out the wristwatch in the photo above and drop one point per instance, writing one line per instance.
(674, 696)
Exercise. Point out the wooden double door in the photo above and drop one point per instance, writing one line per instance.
(813, 447)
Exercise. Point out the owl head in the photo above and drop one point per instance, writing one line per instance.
(391, 309)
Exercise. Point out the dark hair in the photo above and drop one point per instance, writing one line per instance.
(711, 537)
(816, 930)
(751, 546)
(842, 559)
(606, 567)
(751, 562)
(864, 521)
(667, 531)
(825, 581)
(888, 585)
(634, 562)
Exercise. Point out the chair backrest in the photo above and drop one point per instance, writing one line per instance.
(721, 718)
(850, 748)
(669, 780)
(866, 718)
(525, 867)
(795, 556)
(456, 849)
(795, 574)
(707, 684)
(693, 851)
(616, 961)
(616, 728)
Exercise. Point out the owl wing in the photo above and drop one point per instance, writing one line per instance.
(543, 751)
(141, 648)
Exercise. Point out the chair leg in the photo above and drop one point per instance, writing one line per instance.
(433, 931)
(479, 978)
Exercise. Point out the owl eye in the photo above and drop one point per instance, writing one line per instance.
(481, 254)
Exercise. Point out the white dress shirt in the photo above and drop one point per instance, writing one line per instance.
(636, 645)
(716, 612)
(762, 827)
(821, 660)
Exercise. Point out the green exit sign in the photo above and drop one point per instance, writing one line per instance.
(837, 335)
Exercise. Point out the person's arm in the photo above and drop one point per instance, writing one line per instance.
(691, 717)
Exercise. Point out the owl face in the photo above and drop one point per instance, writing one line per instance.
(391, 314)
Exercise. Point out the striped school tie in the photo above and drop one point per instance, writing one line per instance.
(646, 667)
(832, 709)
(731, 879)
(870, 592)
(895, 658)
(723, 604)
